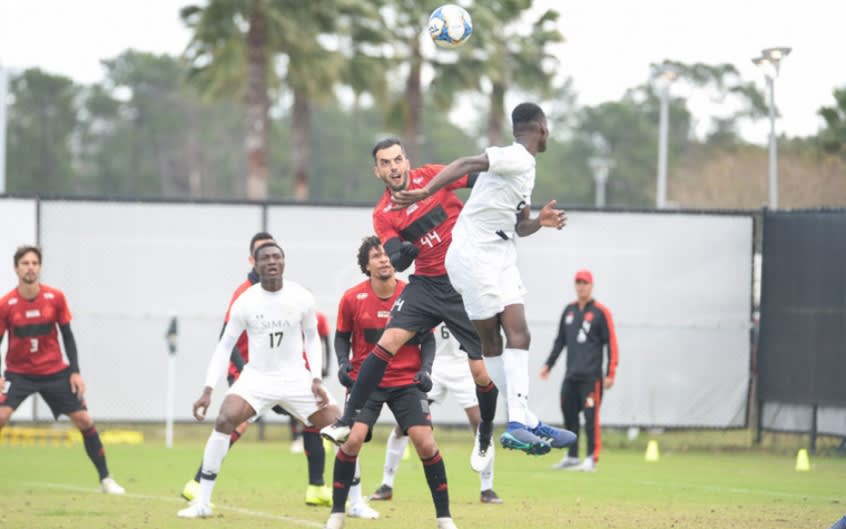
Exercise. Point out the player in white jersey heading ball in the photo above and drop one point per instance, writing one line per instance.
(482, 265)
(280, 320)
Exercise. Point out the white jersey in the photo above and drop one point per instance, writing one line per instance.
(279, 325)
(499, 194)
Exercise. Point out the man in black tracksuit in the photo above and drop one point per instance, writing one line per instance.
(586, 328)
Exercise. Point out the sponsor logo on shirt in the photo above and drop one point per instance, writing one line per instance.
(383, 314)
(34, 313)
(412, 208)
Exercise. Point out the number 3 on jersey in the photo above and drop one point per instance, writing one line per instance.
(275, 338)
(33, 345)
(430, 239)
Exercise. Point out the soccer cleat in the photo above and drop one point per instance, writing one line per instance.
(567, 463)
(383, 493)
(196, 510)
(362, 510)
(483, 450)
(518, 437)
(445, 523)
(110, 486)
(297, 446)
(556, 437)
(318, 495)
(489, 496)
(336, 432)
(587, 466)
(191, 490)
(335, 521)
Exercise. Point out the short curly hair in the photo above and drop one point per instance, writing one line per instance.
(367, 244)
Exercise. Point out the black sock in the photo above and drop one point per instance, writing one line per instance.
(437, 479)
(487, 401)
(316, 454)
(233, 438)
(342, 478)
(369, 375)
(94, 449)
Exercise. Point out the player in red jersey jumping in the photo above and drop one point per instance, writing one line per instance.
(362, 314)
(34, 364)
(421, 234)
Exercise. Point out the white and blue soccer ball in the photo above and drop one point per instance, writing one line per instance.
(450, 26)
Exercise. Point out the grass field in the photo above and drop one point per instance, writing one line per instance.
(262, 486)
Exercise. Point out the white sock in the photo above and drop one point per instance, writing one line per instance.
(393, 455)
(355, 490)
(216, 448)
(486, 476)
(496, 370)
(516, 363)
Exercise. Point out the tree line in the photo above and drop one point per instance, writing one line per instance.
(283, 99)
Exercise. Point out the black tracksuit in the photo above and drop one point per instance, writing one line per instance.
(585, 332)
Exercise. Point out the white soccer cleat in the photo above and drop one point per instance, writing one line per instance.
(335, 521)
(297, 446)
(362, 510)
(196, 510)
(479, 460)
(588, 465)
(568, 463)
(110, 486)
(337, 433)
(446, 523)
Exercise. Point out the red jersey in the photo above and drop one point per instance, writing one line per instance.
(364, 314)
(427, 223)
(241, 344)
(33, 338)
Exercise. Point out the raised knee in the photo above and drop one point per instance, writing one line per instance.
(225, 424)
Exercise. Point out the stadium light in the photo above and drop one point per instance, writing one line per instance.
(769, 63)
(3, 102)
(663, 76)
(600, 165)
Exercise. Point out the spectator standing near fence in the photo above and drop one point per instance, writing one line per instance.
(31, 312)
(586, 329)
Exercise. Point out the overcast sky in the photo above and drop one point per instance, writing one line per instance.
(610, 43)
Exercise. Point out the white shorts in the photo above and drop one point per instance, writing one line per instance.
(292, 391)
(453, 377)
(486, 276)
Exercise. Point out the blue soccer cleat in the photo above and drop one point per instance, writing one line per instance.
(518, 437)
(556, 437)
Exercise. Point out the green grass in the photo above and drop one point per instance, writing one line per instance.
(262, 486)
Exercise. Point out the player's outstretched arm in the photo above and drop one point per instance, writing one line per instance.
(447, 175)
(549, 217)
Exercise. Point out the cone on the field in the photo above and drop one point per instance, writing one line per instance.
(652, 454)
(802, 462)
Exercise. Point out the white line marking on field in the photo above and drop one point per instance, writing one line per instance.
(736, 490)
(248, 512)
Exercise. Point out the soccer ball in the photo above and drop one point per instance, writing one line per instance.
(450, 26)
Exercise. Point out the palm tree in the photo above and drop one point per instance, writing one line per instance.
(230, 52)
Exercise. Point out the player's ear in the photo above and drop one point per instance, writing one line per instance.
(251, 260)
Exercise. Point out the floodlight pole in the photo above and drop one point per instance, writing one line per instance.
(664, 76)
(769, 62)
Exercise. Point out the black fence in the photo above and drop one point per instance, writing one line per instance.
(802, 348)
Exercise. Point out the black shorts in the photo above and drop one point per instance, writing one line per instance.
(54, 389)
(427, 302)
(408, 404)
